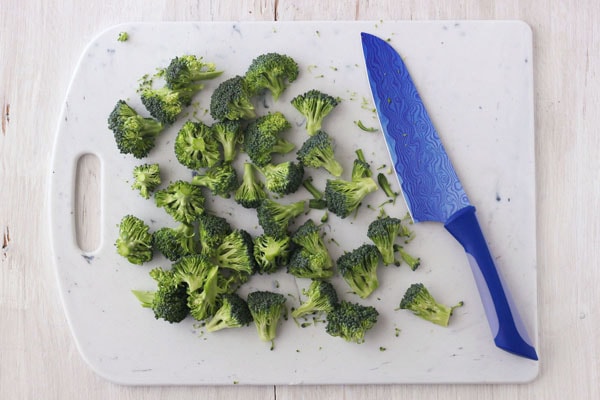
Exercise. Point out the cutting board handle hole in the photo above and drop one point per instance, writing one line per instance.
(87, 202)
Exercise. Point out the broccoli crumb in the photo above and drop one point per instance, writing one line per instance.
(381, 348)
(123, 37)
(363, 127)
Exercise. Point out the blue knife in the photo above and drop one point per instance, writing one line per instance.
(431, 186)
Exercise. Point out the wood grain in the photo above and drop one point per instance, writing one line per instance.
(39, 48)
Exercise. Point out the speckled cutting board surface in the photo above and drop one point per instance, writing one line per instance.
(476, 80)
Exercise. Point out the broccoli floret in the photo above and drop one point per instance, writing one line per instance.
(212, 230)
(186, 70)
(133, 133)
(234, 313)
(195, 146)
(205, 301)
(413, 262)
(146, 178)
(351, 321)
(174, 243)
(263, 138)
(272, 71)
(343, 196)
(359, 269)
(250, 193)
(182, 201)
(166, 104)
(360, 167)
(271, 252)
(314, 105)
(236, 252)
(275, 217)
(221, 179)
(169, 301)
(232, 100)
(384, 184)
(229, 134)
(384, 232)
(283, 178)
(305, 264)
(321, 297)
(134, 241)
(267, 308)
(420, 301)
(193, 270)
(308, 237)
(317, 152)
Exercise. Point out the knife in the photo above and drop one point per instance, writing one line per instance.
(431, 186)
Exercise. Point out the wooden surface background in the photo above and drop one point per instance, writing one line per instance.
(40, 43)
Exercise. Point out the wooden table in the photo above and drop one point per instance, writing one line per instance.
(40, 43)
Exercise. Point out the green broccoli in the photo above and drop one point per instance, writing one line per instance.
(205, 301)
(318, 201)
(182, 201)
(174, 243)
(195, 146)
(343, 196)
(233, 313)
(192, 270)
(271, 71)
(229, 134)
(185, 71)
(275, 217)
(212, 230)
(236, 252)
(134, 241)
(413, 262)
(321, 298)
(262, 138)
(317, 152)
(308, 237)
(267, 309)
(250, 193)
(271, 252)
(305, 264)
(221, 179)
(359, 269)
(314, 105)
(146, 178)
(420, 301)
(133, 133)
(384, 232)
(384, 184)
(166, 104)
(169, 301)
(351, 321)
(232, 100)
(283, 178)
(123, 37)
(360, 167)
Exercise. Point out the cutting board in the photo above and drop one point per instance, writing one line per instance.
(477, 82)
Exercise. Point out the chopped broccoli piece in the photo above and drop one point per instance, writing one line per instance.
(305, 264)
(221, 179)
(236, 252)
(169, 301)
(384, 184)
(133, 133)
(420, 301)
(275, 217)
(308, 237)
(317, 152)
(283, 178)
(250, 193)
(267, 309)
(134, 241)
(263, 138)
(314, 105)
(174, 243)
(212, 230)
(205, 301)
(195, 146)
(166, 104)
(186, 70)
(384, 232)
(182, 201)
(359, 269)
(231, 100)
(146, 178)
(321, 298)
(271, 252)
(360, 167)
(272, 71)
(413, 262)
(192, 270)
(351, 321)
(229, 134)
(318, 201)
(233, 313)
(343, 196)
(123, 37)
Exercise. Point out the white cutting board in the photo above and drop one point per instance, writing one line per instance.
(476, 79)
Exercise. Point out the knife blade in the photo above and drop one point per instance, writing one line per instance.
(432, 189)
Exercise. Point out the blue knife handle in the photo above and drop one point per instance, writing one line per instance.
(506, 325)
